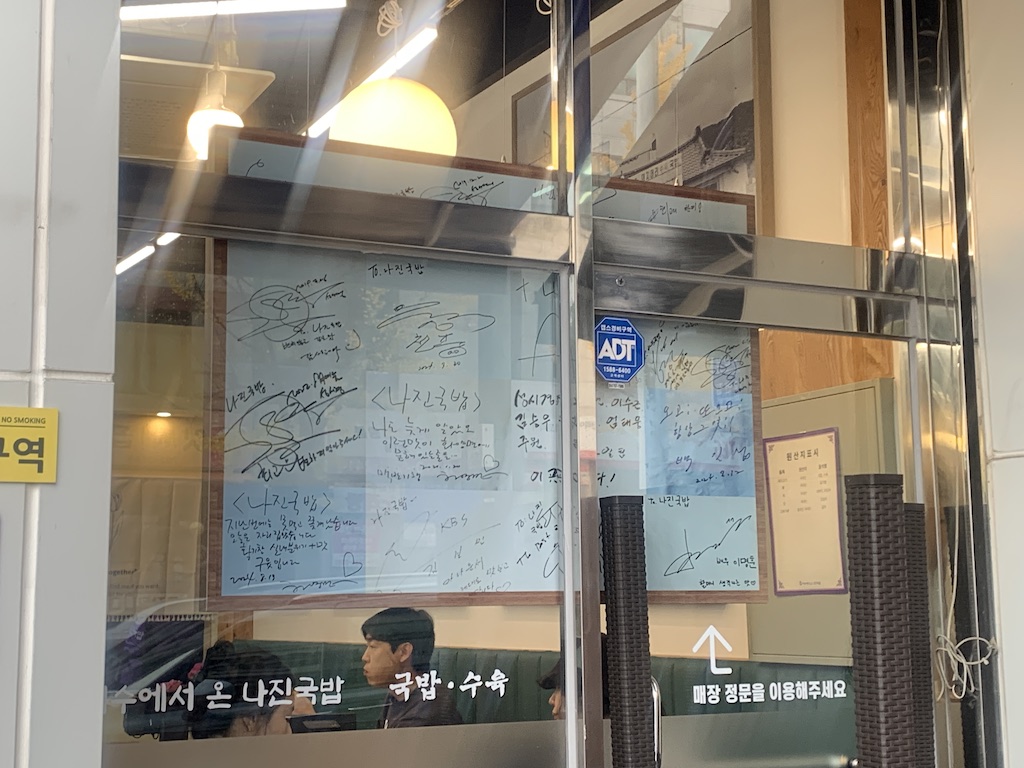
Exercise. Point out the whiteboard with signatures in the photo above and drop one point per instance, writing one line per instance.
(389, 426)
(683, 433)
(393, 426)
(404, 178)
(407, 178)
(611, 203)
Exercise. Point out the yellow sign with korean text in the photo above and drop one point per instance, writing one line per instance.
(28, 445)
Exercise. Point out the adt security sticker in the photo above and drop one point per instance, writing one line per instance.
(620, 349)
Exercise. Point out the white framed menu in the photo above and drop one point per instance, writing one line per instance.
(804, 513)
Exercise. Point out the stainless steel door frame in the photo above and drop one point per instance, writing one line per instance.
(620, 266)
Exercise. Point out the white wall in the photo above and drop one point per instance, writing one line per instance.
(995, 80)
(484, 122)
(57, 218)
(809, 115)
(809, 121)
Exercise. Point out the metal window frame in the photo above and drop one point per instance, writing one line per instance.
(620, 266)
(928, 123)
(643, 269)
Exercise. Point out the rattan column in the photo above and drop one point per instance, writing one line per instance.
(920, 635)
(629, 648)
(888, 603)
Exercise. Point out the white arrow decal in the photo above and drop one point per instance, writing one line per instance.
(712, 635)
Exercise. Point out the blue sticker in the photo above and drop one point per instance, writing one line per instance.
(620, 349)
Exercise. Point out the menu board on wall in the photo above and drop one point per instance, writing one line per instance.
(684, 434)
(804, 506)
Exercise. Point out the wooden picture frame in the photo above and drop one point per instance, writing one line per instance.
(215, 467)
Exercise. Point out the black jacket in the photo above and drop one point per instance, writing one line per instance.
(418, 711)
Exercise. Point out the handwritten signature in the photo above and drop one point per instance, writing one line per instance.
(687, 560)
(447, 324)
(317, 585)
(664, 210)
(489, 470)
(275, 428)
(279, 313)
(725, 369)
(474, 191)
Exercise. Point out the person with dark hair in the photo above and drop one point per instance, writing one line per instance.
(226, 675)
(554, 680)
(399, 646)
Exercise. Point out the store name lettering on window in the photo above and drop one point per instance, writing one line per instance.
(278, 692)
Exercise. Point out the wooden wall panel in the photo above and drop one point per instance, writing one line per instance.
(866, 109)
(793, 362)
(234, 625)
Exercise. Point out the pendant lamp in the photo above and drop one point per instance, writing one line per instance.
(396, 112)
(210, 111)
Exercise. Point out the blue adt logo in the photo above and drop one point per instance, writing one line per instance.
(620, 349)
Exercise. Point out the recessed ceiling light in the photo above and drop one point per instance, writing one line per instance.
(130, 261)
(164, 414)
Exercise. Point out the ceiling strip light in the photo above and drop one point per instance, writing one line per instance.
(405, 54)
(413, 48)
(223, 8)
(130, 261)
(167, 11)
(237, 7)
(167, 238)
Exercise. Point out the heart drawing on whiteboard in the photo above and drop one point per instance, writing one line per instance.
(490, 463)
(349, 566)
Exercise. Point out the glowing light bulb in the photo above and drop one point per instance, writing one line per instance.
(210, 111)
(203, 121)
(399, 113)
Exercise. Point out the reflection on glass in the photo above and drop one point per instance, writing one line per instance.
(703, 105)
(700, 432)
(349, 436)
(392, 84)
(663, 122)
(673, 114)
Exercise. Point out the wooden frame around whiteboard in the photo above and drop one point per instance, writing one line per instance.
(214, 461)
(214, 447)
(220, 155)
(759, 595)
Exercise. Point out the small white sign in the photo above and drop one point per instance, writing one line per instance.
(803, 507)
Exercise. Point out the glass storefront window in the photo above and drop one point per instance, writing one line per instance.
(311, 443)
(337, 500)
(739, 446)
(400, 98)
(350, 479)
(743, 116)
(674, 110)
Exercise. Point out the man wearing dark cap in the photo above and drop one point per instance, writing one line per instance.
(554, 680)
